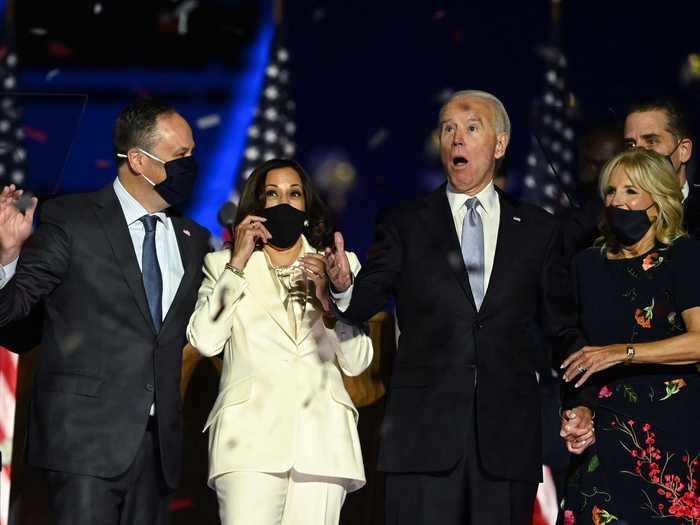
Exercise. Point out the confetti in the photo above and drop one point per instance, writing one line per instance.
(318, 14)
(38, 31)
(59, 50)
(208, 121)
(97, 8)
(378, 138)
(52, 74)
(35, 134)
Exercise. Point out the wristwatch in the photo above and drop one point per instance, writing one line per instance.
(630, 353)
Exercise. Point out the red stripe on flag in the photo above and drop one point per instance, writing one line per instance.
(8, 368)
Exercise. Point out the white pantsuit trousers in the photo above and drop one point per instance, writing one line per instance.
(289, 498)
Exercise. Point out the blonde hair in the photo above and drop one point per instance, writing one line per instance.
(652, 173)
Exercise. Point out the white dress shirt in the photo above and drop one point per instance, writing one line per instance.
(167, 250)
(490, 212)
(685, 190)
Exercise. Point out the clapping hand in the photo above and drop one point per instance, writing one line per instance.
(15, 225)
(337, 265)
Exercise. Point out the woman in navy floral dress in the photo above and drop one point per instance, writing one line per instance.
(639, 308)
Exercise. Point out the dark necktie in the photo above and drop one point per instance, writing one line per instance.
(152, 278)
(473, 249)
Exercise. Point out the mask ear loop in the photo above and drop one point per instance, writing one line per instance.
(124, 156)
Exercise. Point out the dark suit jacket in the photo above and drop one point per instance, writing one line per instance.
(445, 342)
(102, 363)
(691, 211)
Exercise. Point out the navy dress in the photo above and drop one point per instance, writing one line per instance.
(645, 465)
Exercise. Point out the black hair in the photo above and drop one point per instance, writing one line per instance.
(136, 124)
(318, 231)
(679, 122)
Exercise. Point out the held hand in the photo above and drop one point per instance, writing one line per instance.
(245, 237)
(314, 266)
(337, 265)
(591, 359)
(15, 226)
(577, 429)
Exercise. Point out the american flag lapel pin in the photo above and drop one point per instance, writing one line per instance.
(516, 218)
(187, 232)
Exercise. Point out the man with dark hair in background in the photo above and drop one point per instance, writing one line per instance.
(663, 125)
(117, 273)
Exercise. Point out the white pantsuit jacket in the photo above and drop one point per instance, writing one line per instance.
(279, 405)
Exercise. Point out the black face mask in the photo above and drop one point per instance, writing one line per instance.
(179, 183)
(285, 223)
(181, 174)
(628, 226)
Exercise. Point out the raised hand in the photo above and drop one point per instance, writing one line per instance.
(246, 235)
(337, 265)
(15, 226)
(314, 266)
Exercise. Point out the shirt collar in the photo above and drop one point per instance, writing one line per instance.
(685, 190)
(133, 209)
(488, 197)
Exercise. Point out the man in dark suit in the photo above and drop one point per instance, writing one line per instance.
(117, 273)
(663, 125)
(470, 270)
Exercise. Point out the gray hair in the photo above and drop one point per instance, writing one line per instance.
(502, 120)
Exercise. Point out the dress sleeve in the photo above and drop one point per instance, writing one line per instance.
(685, 280)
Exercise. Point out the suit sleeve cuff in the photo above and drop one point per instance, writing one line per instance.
(7, 272)
(342, 299)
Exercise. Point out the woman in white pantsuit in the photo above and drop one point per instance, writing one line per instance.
(283, 443)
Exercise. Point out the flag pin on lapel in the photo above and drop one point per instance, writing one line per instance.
(187, 232)
(516, 218)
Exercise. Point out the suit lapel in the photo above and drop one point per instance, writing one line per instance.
(111, 217)
(265, 292)
(509, 233)
(190, 266)
(440, 214)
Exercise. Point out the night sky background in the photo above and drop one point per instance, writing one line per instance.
(367, 78)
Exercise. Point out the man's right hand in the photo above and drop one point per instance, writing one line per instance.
(15, 226)
(338, 266)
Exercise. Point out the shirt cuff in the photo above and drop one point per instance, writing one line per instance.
(342, 299)
(7, 272)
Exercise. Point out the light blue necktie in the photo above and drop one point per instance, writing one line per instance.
(473, 249)
(152, 278)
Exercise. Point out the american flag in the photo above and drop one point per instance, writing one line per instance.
(12, 164)
(271, 133)
(549, 180)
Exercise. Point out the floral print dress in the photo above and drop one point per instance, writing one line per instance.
(645, 465)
